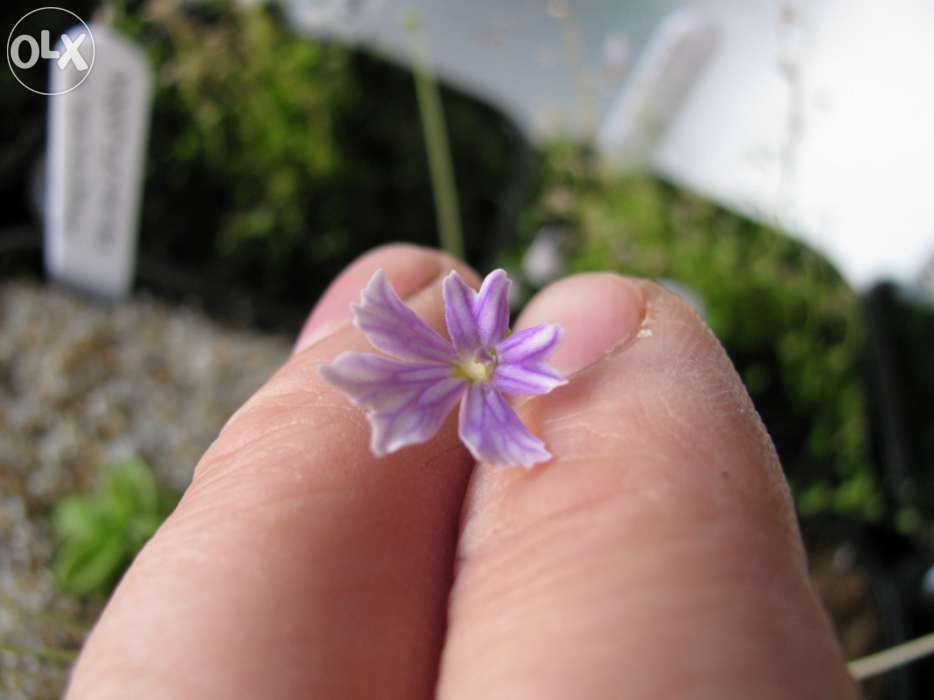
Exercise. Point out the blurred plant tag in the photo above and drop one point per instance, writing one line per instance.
(669, 67)
(94, 166)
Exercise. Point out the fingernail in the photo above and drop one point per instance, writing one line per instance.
(408, 268)
(598, 312)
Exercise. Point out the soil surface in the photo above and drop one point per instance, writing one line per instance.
(83, 384)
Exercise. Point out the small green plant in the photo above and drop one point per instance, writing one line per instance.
(101, 532)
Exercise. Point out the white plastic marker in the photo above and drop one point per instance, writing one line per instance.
(678, 53)
(94, 166)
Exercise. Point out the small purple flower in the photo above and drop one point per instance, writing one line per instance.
(408, 398)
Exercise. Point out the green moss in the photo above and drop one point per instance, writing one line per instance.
(274, 159)
(790, 323)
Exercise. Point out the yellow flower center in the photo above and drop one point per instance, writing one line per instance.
(475, 371)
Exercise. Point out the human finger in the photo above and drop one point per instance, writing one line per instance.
(296, 564)
(657, 555)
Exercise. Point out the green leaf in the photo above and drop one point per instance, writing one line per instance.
(101, 532)
(78, 518)
(132, 489)
(91, 565)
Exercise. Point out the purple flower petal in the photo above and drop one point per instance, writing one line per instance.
(529, 345)
(476, 319)
(459, 302)
(522, 369)
(394, 328)
(526, 379)
(492, 307)
(407, 402)
(493, 432)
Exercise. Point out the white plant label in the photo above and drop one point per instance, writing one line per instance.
(667, 70)
(96, 151)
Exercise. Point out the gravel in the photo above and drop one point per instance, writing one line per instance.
(83, 384)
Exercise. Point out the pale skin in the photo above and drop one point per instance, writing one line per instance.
(656, 555)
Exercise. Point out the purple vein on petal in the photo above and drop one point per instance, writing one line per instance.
(407, 402)
(530, 344)
(522, 368)
(491, 308)
(459, 303)
(527, 379)
(394, 328)
(493, 432)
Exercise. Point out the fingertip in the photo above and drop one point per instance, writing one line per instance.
(662, 529)
(293, 530)
(596, 312)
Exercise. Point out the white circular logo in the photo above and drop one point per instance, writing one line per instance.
(45, 41)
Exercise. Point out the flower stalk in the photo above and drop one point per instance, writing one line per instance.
(437, 146)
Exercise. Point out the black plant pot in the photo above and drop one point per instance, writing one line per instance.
(871, 582)
(901, 381)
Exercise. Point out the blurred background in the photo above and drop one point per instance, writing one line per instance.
(767, 159)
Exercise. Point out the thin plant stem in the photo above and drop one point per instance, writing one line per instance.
(896, 656)
(434, 131)
(63, 656)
